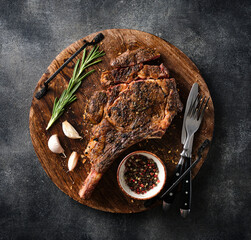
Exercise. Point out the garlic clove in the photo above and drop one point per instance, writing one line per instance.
(70, 131)
(73, 160)
(54, 145)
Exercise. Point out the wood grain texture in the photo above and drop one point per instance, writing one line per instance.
(107, 196)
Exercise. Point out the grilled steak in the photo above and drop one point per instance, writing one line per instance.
(120, 75)
(128, 74)
(133, 112)
(95, 108)
(130, 58)
(154, 72)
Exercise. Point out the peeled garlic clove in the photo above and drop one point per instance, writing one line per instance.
(54, 145)
(70, 131)
(73, 160)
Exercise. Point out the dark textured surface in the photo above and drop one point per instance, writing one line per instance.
(214, 34)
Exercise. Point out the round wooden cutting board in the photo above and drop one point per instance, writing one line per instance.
(107, 196)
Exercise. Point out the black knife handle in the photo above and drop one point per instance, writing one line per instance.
(171, 195)
(186, 187)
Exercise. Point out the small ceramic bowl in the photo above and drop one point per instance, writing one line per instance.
(152, 192)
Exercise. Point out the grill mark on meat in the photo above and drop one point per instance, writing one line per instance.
(120, 75)
(95, 107)
(126, 74)
(153, 72)
(129, 74)
(130, 58)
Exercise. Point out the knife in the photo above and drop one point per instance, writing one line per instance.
(168, 199)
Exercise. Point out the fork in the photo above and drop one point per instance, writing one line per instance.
(194, 118)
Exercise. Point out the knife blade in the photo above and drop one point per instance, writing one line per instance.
(168, 199)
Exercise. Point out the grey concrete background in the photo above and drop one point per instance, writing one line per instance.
(214, 34)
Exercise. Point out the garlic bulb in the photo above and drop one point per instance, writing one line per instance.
(54, 145)
(72, 162)
(70, 131)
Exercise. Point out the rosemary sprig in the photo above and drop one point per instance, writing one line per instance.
(68, 96)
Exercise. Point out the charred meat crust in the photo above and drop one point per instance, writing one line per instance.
(153, 72)
(136, 105)
(136, 72)
(95, 107)
(120, 75)
(130, 58)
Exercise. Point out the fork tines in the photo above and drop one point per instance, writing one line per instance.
(203, 110)
(196, 107)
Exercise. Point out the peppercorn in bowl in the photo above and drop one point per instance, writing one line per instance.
(141, 175)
